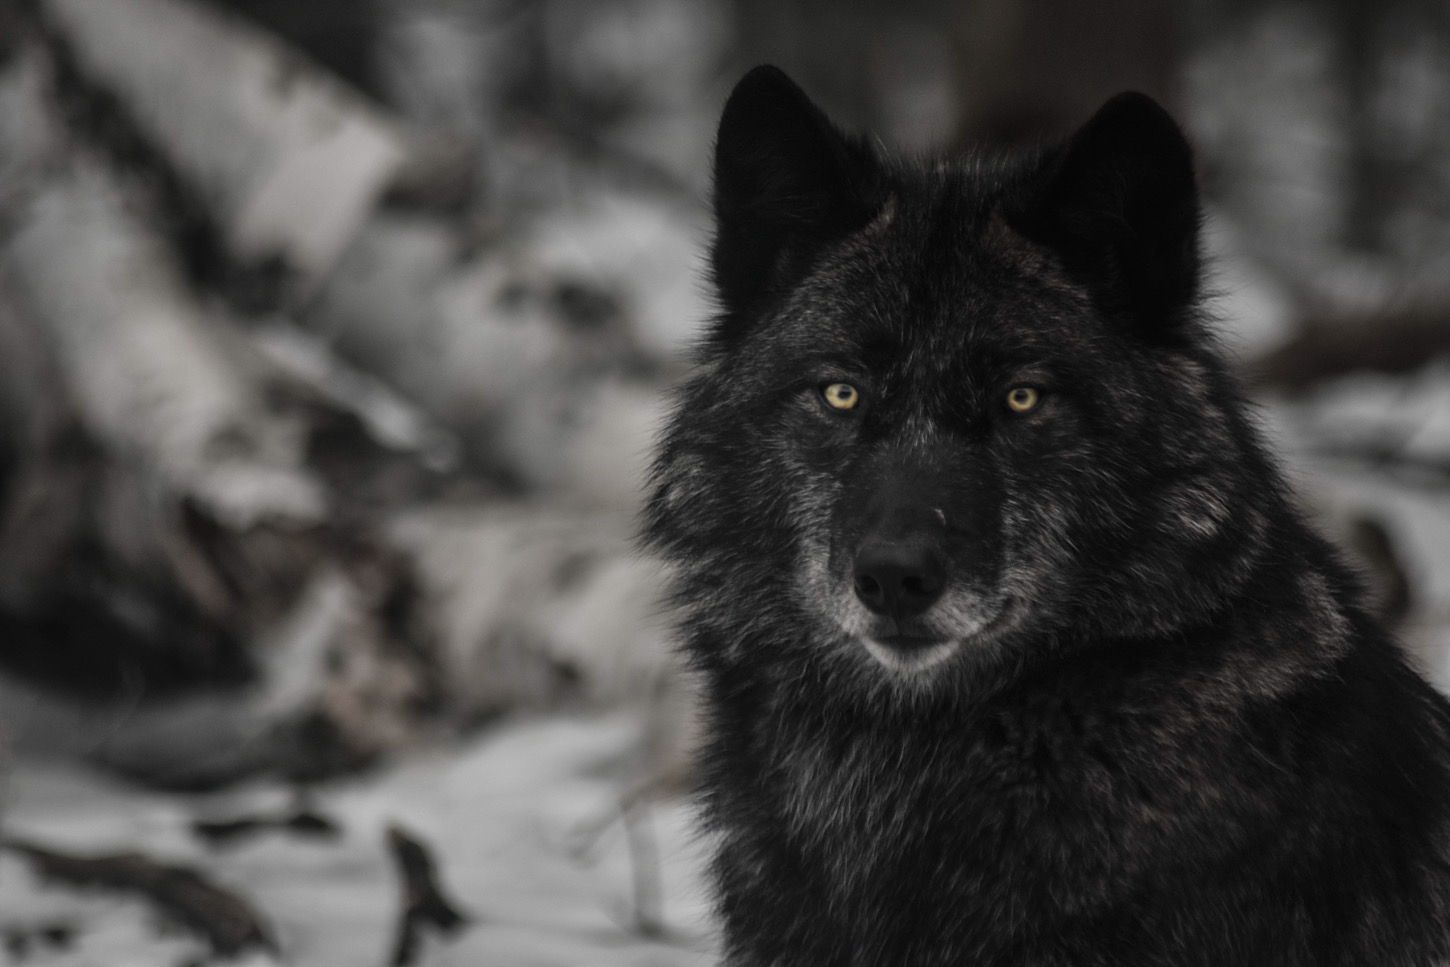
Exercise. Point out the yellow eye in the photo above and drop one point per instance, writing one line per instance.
(1023, 398)
(842, 396)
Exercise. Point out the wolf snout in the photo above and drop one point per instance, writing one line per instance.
(899, 578)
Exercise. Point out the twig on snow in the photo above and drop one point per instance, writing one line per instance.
(223, 919)
(423, 900)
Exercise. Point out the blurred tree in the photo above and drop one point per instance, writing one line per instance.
(1369, 35)
(825, 45)
(1025, 70)
(1010, 71)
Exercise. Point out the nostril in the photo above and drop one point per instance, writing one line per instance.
(898, 578)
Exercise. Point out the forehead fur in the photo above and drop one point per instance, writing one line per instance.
(938, 271)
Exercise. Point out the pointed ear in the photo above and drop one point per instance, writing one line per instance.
(787, 183)
(1120, 207)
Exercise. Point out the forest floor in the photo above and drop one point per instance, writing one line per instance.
(523, 824)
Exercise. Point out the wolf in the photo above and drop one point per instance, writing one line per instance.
(1014, 645)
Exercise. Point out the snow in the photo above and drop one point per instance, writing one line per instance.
(508, 818)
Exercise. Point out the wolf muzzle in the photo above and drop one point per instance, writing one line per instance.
(920, 523)
(900, 570)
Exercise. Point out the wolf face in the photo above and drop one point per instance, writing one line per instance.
(948, 409)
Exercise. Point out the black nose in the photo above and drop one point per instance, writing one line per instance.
(899, 578)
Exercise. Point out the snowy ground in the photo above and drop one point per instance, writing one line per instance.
(520, 826)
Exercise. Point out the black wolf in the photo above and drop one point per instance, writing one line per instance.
(1015, 647)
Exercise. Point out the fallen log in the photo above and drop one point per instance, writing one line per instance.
(179, 488)
(537, 606)
(538, 371)
(1397, 340)
(226, 921)
(143, 360)
(170, 513)
(301, 821)
(287, 159)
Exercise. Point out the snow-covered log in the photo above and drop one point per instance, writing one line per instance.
(534, 363)
(288, 160)
(534, 606)
(161, 527)
(186, 502)
(145, 364)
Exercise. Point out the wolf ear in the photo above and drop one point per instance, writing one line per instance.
(1120, 207)
(787, 183)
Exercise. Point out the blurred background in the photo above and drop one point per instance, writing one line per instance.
(332, 339)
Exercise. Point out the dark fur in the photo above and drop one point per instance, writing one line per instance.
(1169, 732)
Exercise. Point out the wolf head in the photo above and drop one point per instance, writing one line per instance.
(952, 417)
